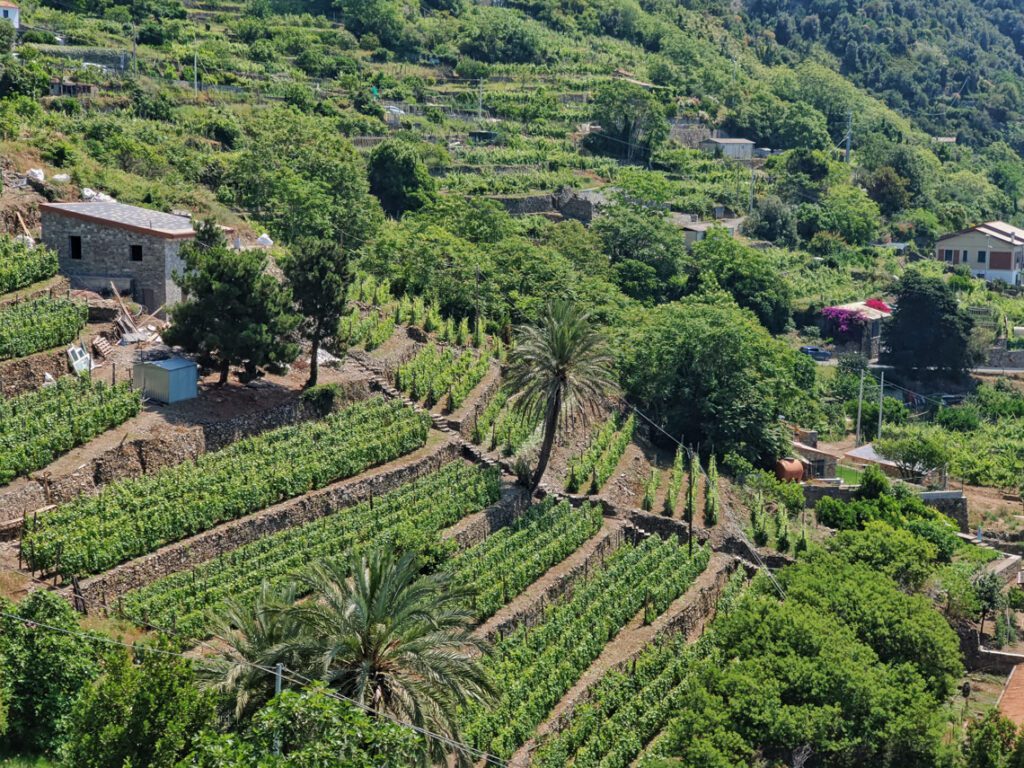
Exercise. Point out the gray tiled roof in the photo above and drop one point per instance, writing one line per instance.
(129, 216)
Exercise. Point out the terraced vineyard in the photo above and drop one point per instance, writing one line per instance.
(409, 518)
(511, 559)
(21, 266)
(134, 517)
(33, 326)
(533, 667)
(592, 469)
(436, 372)
(629, 708)
(499, 426)
(37, 427)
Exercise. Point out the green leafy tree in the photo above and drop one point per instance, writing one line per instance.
(560, 366)
(298, 174)
(399, 178)
(917, 450)
(772, 220)
(889, 190)
(645, 249)
(317, 271)
(43, 669)
(989, 588)
(145, 709)
(632, 120)
(898, 553)
(751, 279)
(235, 311)
(707, 370)
(310, 729)
(990, 741)
(927, 330)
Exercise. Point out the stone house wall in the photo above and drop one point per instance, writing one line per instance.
(106, 257)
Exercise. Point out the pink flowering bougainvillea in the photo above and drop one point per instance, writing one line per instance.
(843, 319)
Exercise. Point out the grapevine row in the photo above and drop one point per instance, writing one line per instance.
(512, 429)
(511, 559)
(21, 265)
(627, 710)
(487, 417)
(436, 372)
(32, 326)
(598, 462)
(407, 519)
(534, 666)
(39, 426)
(136, 516)
(368, 332)
(675, 482)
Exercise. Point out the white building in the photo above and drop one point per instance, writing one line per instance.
(10, 12)
(738, 149)
(992, 251)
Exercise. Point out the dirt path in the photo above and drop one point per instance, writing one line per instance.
(555, 582)
(688, 614)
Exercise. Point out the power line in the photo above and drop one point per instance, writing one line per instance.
(723, 502)
(292, 677)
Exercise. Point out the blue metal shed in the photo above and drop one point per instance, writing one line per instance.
(167, 381)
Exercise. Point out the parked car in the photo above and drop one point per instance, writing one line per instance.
(817, 353)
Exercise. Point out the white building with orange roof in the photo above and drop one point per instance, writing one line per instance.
(10, 12)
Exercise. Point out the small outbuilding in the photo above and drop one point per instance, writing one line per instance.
(167, 381)
(737, 149)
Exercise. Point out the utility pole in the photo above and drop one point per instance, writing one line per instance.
(881, 396)
(860, 405)
(849, 134)
(278, 668)
(750, 205)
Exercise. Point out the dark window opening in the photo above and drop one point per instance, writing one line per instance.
(136, 253)
(76, 246)
(981, 257)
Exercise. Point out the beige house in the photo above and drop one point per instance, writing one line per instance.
(992, 251)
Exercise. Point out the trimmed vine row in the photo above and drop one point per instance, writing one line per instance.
(598, 462)
(512, 558)
(407, 519)
(37, 427)
(133, 517)
(33, 326)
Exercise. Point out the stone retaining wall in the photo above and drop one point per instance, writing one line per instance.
(473, 530)
(27, 374)
(531, 615)
(464, 419)
(133, 458)
(107, 587)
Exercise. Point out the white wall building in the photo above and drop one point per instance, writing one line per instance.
(737, 149)
(10, 12)
(992, 251)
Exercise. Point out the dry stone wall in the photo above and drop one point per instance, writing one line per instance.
(107, 587)
(132, 458)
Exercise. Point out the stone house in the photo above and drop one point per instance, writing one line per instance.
(136, 249)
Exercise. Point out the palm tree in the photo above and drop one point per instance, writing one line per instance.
(560, 366)
(250, 637)
(392, 640)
